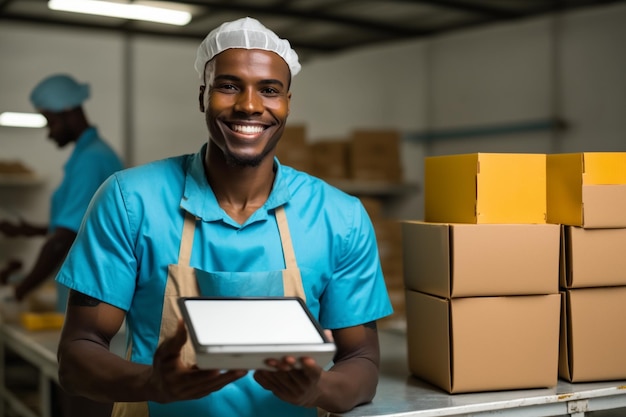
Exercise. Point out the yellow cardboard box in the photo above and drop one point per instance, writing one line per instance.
(587, 189)
(485, 188)
(484, 343)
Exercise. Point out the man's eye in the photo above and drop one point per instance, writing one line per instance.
(226, 87)
(270, 91)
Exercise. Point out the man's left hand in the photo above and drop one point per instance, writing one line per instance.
(291, 380)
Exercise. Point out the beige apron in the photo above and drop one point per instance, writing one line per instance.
(182, 282)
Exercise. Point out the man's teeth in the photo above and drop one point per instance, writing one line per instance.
(247, 129)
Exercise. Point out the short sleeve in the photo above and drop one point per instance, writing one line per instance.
(102, 263)
(356, 293)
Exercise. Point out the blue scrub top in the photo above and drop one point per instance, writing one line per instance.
(92, 161)
(132, 232)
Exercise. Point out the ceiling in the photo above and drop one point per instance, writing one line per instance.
(313, 27)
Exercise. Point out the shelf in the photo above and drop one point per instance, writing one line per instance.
(375, 188)
(20, 180)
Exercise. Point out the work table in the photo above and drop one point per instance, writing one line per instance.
(398, 395)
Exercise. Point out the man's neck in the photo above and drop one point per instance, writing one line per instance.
(239, 190)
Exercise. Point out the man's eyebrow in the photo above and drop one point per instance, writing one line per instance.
(228, 77)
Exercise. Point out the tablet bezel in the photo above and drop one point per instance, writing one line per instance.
(253, 356)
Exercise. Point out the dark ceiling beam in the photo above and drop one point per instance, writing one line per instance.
(305, 15)
(4, 4)
(471, 7)
(126, 28)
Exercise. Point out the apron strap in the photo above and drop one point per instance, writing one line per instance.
(285, 238)
(292, 279)
(186, 241)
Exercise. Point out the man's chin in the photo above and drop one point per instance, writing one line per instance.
(244, 161)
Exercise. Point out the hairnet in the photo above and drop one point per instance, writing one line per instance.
(246, 33)
(59, 92)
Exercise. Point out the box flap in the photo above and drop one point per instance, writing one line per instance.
(501, 343)
(564, 188)
(597, 340)
(565, 256)
(604, 168)
(604, 206)
(511, 186)
(426, 264)
(450, 188)
(564, 341)
(428, 338)
(594, 257)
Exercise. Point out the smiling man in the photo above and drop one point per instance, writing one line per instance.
(228, 221)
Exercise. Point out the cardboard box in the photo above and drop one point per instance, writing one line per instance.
(330, 159)
(593, 340)
(469, 260)
(485, 188)
(484, 343)
(293, 149)
(374, 155)
(593, 257)
(587, 189)
(373, 206)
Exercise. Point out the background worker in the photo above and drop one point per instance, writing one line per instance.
(59, 98)
(229, 220)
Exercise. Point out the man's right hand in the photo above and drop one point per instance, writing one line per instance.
(172, 380)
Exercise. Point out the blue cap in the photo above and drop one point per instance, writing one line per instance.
(58, 93)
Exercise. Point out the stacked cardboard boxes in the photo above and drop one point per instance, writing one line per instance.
(389, 240)
(367, 155)
(330, 159)
(587, 195)
(374, 155)
(481, 275)
(294, 150)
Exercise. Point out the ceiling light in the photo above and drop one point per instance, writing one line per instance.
(14, 119)
(123, 10)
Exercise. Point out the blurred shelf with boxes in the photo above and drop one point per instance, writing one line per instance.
(16, 173)
(365, 164)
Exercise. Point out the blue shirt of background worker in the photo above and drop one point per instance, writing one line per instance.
(59, 98)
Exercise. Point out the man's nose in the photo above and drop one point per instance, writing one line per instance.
(249, 101)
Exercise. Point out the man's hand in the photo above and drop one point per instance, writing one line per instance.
(12, 266)
(172, 380)
(21, 229)
(293, 381)
(10, 229)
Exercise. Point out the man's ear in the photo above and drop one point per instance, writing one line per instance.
(201, 98)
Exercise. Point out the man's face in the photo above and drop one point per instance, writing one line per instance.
(247, 103)
(58, 130)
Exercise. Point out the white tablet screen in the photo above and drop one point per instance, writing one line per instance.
(257, 322)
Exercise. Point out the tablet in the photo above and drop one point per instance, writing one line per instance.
(242, 332)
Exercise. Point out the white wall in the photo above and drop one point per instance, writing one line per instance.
(167, 119)
(572, 66)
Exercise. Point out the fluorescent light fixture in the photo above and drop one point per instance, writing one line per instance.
(123, 10)
(14, 119)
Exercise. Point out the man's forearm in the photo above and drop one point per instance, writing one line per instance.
(50, 258)
(34, 230)
(348, 384)
(111, 378)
